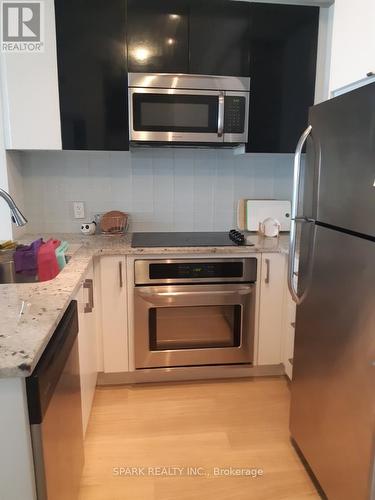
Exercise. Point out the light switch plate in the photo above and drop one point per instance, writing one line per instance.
(79, 209)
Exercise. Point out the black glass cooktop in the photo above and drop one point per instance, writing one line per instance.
(197, 239)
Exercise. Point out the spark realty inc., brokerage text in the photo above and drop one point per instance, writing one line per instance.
(172, 471)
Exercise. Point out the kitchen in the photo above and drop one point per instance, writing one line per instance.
(185, 116)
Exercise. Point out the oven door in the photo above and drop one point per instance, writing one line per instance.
(192, 325)
(172, 115)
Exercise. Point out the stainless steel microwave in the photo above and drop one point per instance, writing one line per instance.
(188, 109)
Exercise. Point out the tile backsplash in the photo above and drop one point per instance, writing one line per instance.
(162, 189)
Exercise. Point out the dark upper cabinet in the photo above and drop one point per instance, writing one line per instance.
(91, 55)
(219, 37)
(208, 37)
(283, 47)
(158, 40)
(99, 41)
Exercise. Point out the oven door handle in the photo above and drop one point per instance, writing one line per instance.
(244, 291)
(165, 297)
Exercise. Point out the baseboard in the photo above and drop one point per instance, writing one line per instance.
(189, 373)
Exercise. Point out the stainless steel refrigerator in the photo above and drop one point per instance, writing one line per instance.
(333, 237)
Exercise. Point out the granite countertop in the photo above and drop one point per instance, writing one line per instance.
(30, 312)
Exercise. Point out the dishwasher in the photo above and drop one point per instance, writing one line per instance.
(54, 402)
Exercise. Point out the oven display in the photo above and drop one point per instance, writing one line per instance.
(185, 270)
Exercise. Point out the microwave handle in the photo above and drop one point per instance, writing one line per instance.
(220, 116)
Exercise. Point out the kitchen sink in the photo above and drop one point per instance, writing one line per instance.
(7, 271)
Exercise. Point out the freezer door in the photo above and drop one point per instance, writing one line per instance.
(333, 389)
(343, 133)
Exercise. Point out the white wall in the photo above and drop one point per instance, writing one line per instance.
(323, 63)
(15, 187)
(11, 180)
(5, 222)
(162, 189)
(16, 461)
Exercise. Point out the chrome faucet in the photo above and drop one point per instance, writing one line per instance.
(17, 216)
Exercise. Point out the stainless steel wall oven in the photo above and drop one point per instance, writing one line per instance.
(194, 312)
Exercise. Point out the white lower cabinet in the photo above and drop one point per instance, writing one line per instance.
(87, 344)
(274, 343)
(114, 314)
(271, 279)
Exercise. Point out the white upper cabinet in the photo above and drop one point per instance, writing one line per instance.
(353, 42)
(29, 85)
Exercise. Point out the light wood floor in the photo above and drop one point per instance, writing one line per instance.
(241, 423)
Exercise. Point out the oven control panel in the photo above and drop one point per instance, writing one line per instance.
(197, 270)
(187, 270)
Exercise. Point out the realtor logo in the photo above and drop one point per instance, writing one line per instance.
(22, 26)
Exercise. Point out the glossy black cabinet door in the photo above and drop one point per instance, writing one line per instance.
(158, 36)
(91, 54)
(283, 51)
(219, 37)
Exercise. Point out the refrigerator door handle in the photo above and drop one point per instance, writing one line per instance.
(303, 219)
(298, 299)
(294, 218)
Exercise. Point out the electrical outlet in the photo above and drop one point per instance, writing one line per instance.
(79, 209)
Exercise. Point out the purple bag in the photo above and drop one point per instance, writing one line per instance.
(26, 258)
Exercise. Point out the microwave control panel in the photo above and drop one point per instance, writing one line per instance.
(234, 114)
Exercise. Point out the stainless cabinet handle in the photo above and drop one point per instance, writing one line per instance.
(120, 274)
(268, 267)
(220, 116)
(295, 203)
(89, 285)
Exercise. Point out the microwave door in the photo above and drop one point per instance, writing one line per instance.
(174, 115)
